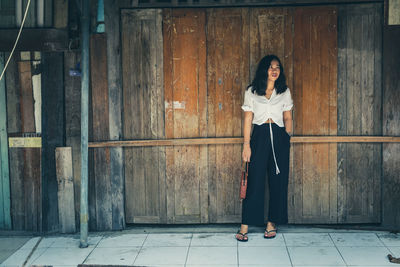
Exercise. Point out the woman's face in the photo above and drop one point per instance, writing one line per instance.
(274, 70)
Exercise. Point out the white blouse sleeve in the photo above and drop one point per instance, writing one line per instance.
(288, 104)
(248, 101)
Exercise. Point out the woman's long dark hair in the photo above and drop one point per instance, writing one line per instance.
(259, 83)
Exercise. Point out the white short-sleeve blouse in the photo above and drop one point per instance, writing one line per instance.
(264, 109)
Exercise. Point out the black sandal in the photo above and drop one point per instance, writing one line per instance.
(266, 233)
(244, 237)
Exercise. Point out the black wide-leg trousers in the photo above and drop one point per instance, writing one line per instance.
(261, 163)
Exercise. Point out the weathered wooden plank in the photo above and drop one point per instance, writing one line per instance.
(30, 21)
(228, 72)
(5, 215)
(160, 132)
(64, 173)
(7, 14)
(315, 32)
(99, 85)
(143, 113)
(112, 28)
(360, 101)
(60, 18)
(34, 40)
(32, 156)
(391, 117)
(186, 120)
(169, 115)
(377, 111)
(48, 13)
(16, 155)
(211, 105)
(53, 133)
(73, 122)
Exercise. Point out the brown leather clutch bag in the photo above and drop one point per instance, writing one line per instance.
(243, 180)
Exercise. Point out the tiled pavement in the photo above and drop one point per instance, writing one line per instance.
(290, 248)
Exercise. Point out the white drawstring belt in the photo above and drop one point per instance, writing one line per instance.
(273, 150)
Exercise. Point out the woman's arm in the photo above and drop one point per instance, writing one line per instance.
(288, 121)
(248, 119)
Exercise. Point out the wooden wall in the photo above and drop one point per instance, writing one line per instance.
(195, 184)
(33, 185)
(143, 96)
(391, 118)
(194, 172)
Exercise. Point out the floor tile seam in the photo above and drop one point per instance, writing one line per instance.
(188, 248)
(287, 250)
(387, 247)
(44, 251)
(90, 253)
(337, 249)
(138, 246)
(237, 252)
(45, 248)
(140, 249)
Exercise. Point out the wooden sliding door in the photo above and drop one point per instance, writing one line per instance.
(184, 76)
(314, 180)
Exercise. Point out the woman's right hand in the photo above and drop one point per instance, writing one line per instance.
(246, 153)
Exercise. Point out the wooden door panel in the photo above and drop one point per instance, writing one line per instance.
(271, 32)
(227, 68)
(143, 115)
(359, 102)
(185, 114)
(315, 96)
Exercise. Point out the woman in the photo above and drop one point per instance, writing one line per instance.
(267, 105)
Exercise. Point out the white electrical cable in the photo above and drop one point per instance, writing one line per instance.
(16, 41)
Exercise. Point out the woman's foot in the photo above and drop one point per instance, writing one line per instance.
(241, 235)
(270, 230)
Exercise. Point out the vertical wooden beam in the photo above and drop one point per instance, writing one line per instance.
(52, 134)
(16, 156)
(99, 91)
(31, 166)
(5, 216)
(60, 17)
(114, 79)
(40, 13)
(391, 118)
(73, 121)
(48, 13)
(7, 18)
(30, 21)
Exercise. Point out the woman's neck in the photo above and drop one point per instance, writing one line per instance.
(270, 85)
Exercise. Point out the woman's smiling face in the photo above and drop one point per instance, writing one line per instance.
(274, 70)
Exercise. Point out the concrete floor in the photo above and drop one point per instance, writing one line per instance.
(206, 246)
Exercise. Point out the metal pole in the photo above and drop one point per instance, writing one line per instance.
(84, 123)
(5, 215)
